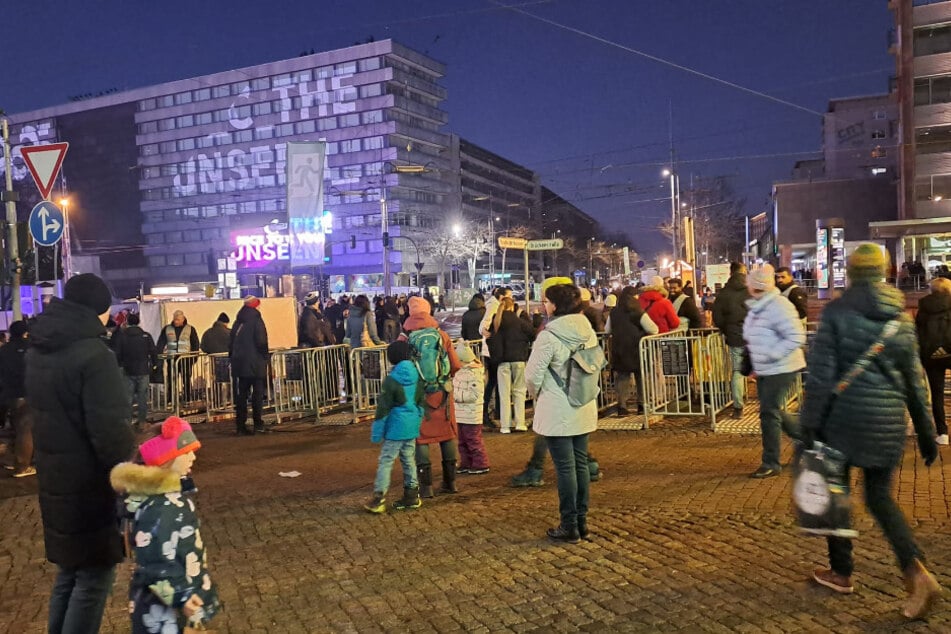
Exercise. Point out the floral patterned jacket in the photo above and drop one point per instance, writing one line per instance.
(165, 538)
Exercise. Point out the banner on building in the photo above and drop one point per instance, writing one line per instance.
(627, 260)
(305, 202)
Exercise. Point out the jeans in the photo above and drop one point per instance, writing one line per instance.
(878, 499)
(21, 417)
(512, 393)
(491, 388)
(472, 448)
(255, 387)
(405, 450)
(936, 371)
(773, 391)
(139, 393)
(737, 380)
(570, 455)
(79, 599)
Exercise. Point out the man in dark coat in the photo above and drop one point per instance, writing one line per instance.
(81, 432)
(313, 329)
(729, 312)
(13, 391)
(473, 317)
(793, 292)
(337, 316)
(249, 361)
(684, 304)
(136, 354)
(217, 338)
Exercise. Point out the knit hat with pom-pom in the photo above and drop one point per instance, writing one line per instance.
(176, 439)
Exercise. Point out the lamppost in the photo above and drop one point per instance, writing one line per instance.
(384, 213)
(674, 188)
(67, 245)
(590, 242)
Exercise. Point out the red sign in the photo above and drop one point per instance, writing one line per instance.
(44, 162)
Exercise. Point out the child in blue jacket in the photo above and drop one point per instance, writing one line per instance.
(398, 416)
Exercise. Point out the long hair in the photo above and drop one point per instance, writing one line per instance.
(505, 303)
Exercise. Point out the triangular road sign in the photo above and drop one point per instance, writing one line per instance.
(44, 162)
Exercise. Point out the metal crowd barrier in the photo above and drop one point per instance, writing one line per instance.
(367, 369)
(607, 397)
(307, 381)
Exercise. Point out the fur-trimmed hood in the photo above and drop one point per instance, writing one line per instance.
(128, 478)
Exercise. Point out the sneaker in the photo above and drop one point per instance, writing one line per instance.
(764, 472)
(559, 534)
(9, 467)
(942, 439)
(622, 412)
(520, 429)
(505, 430)
(832, 580)
(24, 472)
(478, 471)
(377, 504)
(463, 470)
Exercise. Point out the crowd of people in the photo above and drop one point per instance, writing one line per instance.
(867, 365)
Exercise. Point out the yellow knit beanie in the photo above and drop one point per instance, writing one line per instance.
(867, 263)
(554, 281)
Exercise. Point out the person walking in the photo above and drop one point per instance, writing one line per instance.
(627, 325)
(509, 344)
(13, 393)
(564, 427)
(249, 356)
(867, 342)
(217, 338)
(729, 312)
(933, 324)
(313, 329)
(137, 355)
(81, 431)
(775, 338)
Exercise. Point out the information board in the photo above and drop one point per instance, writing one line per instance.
(673, 355)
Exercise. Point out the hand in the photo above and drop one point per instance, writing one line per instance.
(929, 449)
(192, 605)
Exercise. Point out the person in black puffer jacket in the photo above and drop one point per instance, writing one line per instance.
(729, 312)
(509, 346)
(249, 360)
(81, 432)
(866, 421)
(13, 391)
(313, 329)
(136, 353)
(217, 338)
(473, 317)
(933, 323)
(627, 325)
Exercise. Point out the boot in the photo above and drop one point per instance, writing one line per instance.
(594, 469)
(923, 591)
(528, 478)
(377, 503)
(410, 500)
(448, 477)
(425, 474)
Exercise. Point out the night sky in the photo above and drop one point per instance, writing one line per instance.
(590, 117)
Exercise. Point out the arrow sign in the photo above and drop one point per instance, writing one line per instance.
(44, 162)
(545, 245)
(512, 243)
(46, 224)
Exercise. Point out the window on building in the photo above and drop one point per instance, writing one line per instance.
(174, 259)
(243, 136)
(186, 144)
(941, 89)
(166, 124)
(371, 90)
(156, 261)
(202, 94)
(346, 120)
(373, 143)
(878, 134)
(264, 132)
(261, 108)
(285, 129)
(879, 152)
(221, 91)
(205, 141)
(239, 87)
(165, 101)
(148, 127)
(330, 123)
(345, 68)
(370, 63)
(281, 80)
(195, 258)
(932, 40)
(147, 104)
(262, 83)
(167, 147)
(306, 127)
(185, 121)
(878, 171)
(373, 116)
(304, 75)
(183, 98)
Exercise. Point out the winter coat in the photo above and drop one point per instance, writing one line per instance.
(468, 391)
(554, 416)
(439, 415)
(512, 342)
(13, 369)
(626, 330)
(595, 317)
(135, 351)
(81, 431)
(355, 325)
(933, 325)
(687, 310)
(335, 315)
(313, 330)
(656, 304)
(799, 299)
(774, 335)
(249, 349)
(170, 562)
(485, 326)
(185, 330)
(398, 408)
(472, 318)
(216, 339)
(729, 310)
(866, 421)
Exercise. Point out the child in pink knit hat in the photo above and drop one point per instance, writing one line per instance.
(171, 589)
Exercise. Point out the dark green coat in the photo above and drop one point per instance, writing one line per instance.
(867, 421)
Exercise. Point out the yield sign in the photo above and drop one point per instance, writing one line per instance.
(44, 162)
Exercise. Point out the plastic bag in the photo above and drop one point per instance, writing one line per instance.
(821, 492)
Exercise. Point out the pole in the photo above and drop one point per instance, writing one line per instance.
(491, 247)
(528, 295)
(673, 218)
(67, 246)
(12, 248)
(384, 223)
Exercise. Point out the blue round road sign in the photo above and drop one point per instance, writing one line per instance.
(47, 224)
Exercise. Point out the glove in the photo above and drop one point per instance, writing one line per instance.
(929, 449)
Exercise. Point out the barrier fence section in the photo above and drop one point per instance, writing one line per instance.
(308, 381)
(607, 396)
(366, 370)
(685, 373)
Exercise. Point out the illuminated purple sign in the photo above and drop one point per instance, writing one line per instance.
(257, 248)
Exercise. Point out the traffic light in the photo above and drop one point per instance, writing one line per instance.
(353, 242)
(328, 251)
(386, 238)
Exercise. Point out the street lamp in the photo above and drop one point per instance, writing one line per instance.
(67, 247)
(674, 187)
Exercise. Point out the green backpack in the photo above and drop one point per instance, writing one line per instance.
(431, 360)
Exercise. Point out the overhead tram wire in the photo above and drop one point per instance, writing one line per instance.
(655, 58)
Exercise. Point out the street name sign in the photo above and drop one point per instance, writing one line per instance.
(512, 243)
(46, 224)
(545, 245)
(44, 162)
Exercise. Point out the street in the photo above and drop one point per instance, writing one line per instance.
(682, 540)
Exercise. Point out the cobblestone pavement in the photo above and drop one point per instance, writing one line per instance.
(683, 541)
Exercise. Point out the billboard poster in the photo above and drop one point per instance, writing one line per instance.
(305, 202)
(837, 243)
(260, 247)
(822, 258)
(366, 282)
